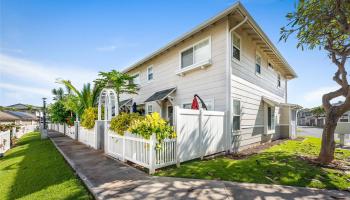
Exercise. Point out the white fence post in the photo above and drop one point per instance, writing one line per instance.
(200, 131)
(123, 151)
(177, 130)
(152, 156)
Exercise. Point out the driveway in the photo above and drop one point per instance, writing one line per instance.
(309, 131)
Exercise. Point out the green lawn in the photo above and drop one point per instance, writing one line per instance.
(279, 164)
(34, 169)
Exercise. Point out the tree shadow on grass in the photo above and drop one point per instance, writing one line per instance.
(42, 173)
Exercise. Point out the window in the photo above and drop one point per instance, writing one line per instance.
(150, 73)
(258, 64)
(236, 47)
(209, 104)
(278, 80)
(270, 118)
(136, 79)
(196, 53)
(149, 109)
(344, 118)
(236, 115)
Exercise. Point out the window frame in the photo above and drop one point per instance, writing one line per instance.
(273, 118)
(139, 75)
(279, 80)
(235, 115)
(148, 110)
(192, 46)
(260, 66)
(148, 68)
(240, 47)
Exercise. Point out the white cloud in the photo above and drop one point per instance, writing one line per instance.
(314, 98)
(25, 78)
(42, 73)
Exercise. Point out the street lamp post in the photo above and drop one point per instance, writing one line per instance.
(44, 113)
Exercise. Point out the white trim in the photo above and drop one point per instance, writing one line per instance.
(147, 71)
(192, 46)
(147, 107)
(200, 65)
(137, 73)
(280, 80)
(240, 114)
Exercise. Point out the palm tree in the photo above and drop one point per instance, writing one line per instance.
(120, 82)
(86, 98)
(58, 94)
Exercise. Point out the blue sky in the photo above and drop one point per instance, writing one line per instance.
(42, 40)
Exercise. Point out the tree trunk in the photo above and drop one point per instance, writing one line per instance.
(328, 145)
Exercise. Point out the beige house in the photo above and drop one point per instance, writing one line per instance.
(233, 66)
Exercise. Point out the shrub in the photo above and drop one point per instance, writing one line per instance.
(88, 118)
(122, 122)
(153, 123)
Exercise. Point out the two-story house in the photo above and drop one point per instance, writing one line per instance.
(233, 66)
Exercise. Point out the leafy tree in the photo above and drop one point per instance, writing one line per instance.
(58, 113)
(325, 24)
(81, 100)
(120, 82)
(318, 111)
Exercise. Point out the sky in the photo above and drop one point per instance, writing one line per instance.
(43, 40)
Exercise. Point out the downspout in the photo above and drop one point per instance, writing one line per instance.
(229, 137)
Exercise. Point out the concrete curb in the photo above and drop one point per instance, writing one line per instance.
(82, 177)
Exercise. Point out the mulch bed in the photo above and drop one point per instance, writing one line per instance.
(255, 150)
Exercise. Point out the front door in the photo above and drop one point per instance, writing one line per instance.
(170, 116)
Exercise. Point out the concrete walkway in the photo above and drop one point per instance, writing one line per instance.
(110, 179)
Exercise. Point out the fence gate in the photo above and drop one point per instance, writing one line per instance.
(199, 133)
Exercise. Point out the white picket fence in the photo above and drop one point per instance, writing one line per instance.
(24, 129)
(71, 131)
(343, 131)
(88, 137)
(5, 140)
(61, 128)
(143, 152)
(199, 133)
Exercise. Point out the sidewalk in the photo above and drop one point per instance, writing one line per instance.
(110, 179)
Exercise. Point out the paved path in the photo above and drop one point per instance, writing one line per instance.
(110, 179)
(309, 131)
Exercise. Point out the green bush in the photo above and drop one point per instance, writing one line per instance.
(153, 123)
(122, 122)
(88, 118)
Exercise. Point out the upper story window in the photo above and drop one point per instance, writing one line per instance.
(236, 46)
(136, 79)
(150, 73)
(258, 64)
(278, 80)
(236, 115)
(195, 54)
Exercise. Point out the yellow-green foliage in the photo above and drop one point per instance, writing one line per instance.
(88, 118)
(122, 122)
(153, 123)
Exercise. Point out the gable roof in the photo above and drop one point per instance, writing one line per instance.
(22, 115)
(160, 95)
(5, 117)
(207, 23)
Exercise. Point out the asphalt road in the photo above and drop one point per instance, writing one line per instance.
(309, 131)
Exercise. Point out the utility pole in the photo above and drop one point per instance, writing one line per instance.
(44, 129)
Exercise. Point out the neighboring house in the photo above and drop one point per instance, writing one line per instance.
(37, 111)
(307, 118)
(17, 117)
(233, 66)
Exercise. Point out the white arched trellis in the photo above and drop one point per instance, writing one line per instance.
(108, 97)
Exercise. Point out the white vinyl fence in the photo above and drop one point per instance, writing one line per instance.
(199, 133)
(24, 129)
(88, 137)
(61, 128)
(136, 149)
(343, 130)
(71, 131)
(5, 140)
